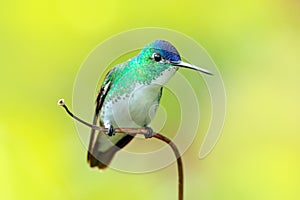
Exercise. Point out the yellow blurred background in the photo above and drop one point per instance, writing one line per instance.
(255, 44)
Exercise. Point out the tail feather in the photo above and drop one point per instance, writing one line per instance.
(100, 156)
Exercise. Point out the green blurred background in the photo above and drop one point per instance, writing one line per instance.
(255, 44)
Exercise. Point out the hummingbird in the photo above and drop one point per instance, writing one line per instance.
(129, 98)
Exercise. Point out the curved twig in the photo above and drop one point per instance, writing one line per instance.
(179, 162)
(142, 131)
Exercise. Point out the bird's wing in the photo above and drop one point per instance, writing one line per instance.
(99, 102)
(103, 148)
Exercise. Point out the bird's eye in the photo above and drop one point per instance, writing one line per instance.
(156, 57)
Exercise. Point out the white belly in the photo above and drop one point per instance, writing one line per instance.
(138, 108)
(132, 110)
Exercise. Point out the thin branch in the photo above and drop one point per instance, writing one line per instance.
(142, 131)
(179, 162)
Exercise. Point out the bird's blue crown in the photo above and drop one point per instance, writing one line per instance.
(165, 48)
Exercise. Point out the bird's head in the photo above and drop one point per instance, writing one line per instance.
(164, 55)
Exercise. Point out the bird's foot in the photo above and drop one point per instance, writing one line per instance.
(149, 133)
(111, 130)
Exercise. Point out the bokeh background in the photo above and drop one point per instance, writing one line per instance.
(255, 44)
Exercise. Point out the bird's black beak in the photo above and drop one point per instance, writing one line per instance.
(187, 65)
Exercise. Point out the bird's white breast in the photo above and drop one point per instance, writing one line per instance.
(137, 108)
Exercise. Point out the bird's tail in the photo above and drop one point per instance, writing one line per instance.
(103, 148)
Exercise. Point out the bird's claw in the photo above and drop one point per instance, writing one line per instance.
(149, 133)
(111, 130)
